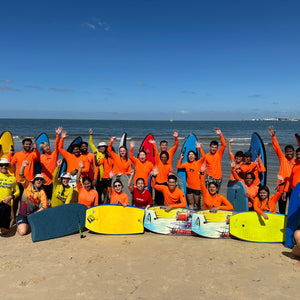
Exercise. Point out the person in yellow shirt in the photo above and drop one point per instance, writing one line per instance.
(62, 192)
(9, 190)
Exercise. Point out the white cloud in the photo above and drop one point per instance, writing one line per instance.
(183, 112)
(141, 84)
(8, 89)
(61, 90)
(6, 80)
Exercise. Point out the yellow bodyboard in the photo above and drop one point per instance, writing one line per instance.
(115, 219)
(6, 142)
(251, 226)
(161, 213)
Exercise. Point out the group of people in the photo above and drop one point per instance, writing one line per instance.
(106, 176)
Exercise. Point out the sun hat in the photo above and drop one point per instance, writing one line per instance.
(5, 161)
(65, 175)
(102, 144)
(38, 176)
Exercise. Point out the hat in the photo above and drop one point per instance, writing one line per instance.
(38, 176)
(65, 175)
(102, 144)
(5, 161)
(248, 153)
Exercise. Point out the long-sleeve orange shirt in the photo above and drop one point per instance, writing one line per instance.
(120, 165)
(141, 169)
(286, 165)
(171, 152)
(116, 198)
(91, 159)
(268, 205)
(164, 169)
(294, 178)
(193, 173)
(217, 200)
(107, 167)
(174, 198)
(214, 161)
(48, 162)
(19, 157)
(256, 169)
(73, 160)
(88, 198)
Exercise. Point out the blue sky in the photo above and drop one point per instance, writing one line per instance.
(150, 59)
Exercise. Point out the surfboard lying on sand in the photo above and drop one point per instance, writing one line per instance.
(115, 219)
(211, 225)
(252, 227)
(178, 221)
(57, 221)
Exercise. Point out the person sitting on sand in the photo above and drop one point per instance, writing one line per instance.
(141, 196)
(34, 199)
(173, 196)
(62, 192)
(264, 203)
(117, 196)
(9, 190)
(86, 194)
(211, 198)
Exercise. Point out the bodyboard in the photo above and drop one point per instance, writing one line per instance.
(148, 148)
(236, 195)
(43, 137)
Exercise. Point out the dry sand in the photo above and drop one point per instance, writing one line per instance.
(145, 266)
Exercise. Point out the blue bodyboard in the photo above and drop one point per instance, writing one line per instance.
(236, 195)
(43, 137)
(257, 147)
(189, 145)
(293, 217)
(57, 221)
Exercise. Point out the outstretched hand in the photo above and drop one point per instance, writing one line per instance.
(218, 131)
(271, 131)
(175, 133)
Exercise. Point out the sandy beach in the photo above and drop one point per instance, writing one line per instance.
(145, 266)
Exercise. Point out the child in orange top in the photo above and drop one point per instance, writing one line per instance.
(237, 158)
(142, 166)
(193, 189)
(174, 197)
(86, 194)
(117, 196)
(211, 198)
(264, 203)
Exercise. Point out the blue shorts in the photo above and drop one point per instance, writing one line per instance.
(21, 219)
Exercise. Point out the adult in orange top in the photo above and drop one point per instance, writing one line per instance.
(213, 160)
(211, 198)
(26, 154)
(121, 163)
(237, 158)
(73, 158)
(249, 166)
(90, 158)
(117, 196)
(287, 160)
(48, 161)
(164, 168)
(295, 176)
(193, 186)
(86, 194)
(264, 203)
(142, 166)
(174, 197)
(164, 147)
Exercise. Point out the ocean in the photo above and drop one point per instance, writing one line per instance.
(241, 131)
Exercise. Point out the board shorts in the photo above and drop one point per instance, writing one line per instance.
(209, 179)
(23, 213)
(192, 191)
(5, 213)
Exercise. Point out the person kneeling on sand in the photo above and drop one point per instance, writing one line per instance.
(33, 196)
(173, 196)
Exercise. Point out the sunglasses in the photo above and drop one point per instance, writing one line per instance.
(39, 179)
(4, 165)
(117, 185)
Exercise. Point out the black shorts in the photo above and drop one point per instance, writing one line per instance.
(5, 213)
(192, 191)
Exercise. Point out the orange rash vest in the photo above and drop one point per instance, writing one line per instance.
(48, 162)
(107, 167)
(214, 161)
(171, 152)
(73, 160)
(164, 169)
(254, 168)
(213, 201)
(293, 179)
(88, 198)
(142, 170)
(116, 198)
(122, 166)
(176, 198)
(19, 157)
